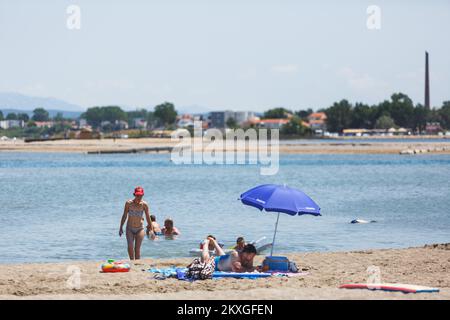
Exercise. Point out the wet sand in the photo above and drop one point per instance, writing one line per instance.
(427, 266)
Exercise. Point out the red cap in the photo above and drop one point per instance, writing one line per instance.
(138, 191)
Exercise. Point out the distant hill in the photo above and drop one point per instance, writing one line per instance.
(17, 101)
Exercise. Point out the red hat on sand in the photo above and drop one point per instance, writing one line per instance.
(138, 191)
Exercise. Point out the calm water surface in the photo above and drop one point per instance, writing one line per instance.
(68, 206)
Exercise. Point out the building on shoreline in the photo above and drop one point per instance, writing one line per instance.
(43, 124)
(139, 123)
(218, 119)
(317, 122)
(8, 124)
(376, 132)
(268, 123)
(433, 128)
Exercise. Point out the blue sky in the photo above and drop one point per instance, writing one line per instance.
(241, 55)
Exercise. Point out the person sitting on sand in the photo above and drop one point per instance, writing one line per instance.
(133, 213)
(169, 229)
(235, 261)
(240, 244)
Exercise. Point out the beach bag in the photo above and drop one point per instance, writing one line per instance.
(199, 270)
(272, 263)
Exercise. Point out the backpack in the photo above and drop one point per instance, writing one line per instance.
(199, 270)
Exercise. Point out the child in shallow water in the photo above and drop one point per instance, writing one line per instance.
(156, 227)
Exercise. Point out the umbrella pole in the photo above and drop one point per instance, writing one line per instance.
(274, 235)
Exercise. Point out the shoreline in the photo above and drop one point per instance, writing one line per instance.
(428, 265)
(164, 145)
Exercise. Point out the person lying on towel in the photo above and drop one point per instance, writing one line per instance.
(234, 262)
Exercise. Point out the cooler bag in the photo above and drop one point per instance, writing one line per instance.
(272, 263)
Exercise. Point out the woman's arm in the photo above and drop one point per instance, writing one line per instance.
(147, 217)
(124, 218)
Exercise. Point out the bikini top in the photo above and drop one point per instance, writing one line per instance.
(136, 213)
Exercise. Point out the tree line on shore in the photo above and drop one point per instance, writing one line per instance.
(398, 111)
(163, 115)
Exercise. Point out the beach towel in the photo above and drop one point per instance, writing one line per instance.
(180, 274)
(162, 274)
(405, 288)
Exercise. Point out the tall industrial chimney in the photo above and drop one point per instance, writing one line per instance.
(427, 83)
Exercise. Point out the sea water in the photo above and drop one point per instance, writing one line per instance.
(61, 206)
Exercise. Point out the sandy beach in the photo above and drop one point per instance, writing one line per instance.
(339, 146)
(427, 266)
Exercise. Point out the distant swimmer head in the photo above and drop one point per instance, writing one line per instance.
(168, 223)
(361, 221)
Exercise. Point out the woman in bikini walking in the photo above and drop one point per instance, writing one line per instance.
(133, 213)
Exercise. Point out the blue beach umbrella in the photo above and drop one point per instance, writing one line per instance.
(280, 198)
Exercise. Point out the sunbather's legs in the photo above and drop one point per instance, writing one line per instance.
(218, 249)
(205, 251)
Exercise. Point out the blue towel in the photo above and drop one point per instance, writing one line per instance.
(180, 274)
(166, 272)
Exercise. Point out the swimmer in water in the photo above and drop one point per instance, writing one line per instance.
(362, 221)
(169, 230)
(240, 244)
